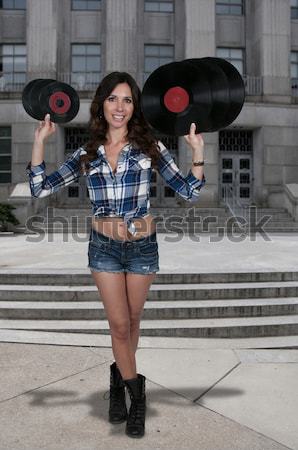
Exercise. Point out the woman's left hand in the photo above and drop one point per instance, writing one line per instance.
(194, 140)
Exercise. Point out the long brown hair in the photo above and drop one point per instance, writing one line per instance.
(139, 133)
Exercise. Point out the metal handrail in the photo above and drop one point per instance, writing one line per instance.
(238, 210)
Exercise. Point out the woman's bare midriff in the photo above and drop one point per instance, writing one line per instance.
(115, 227)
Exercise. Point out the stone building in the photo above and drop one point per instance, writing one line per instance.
(80, 41)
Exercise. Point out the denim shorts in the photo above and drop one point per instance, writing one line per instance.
(110, 255)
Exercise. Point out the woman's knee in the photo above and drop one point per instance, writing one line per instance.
(120, 330)
(135, 321)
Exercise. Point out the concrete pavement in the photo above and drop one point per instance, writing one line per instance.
(211, 253)
(55, 397)
(207, 394)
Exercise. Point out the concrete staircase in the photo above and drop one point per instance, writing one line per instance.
(231, 305)
(183, 220)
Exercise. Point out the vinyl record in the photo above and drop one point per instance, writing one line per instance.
(60, 100)
(236, 86)
(175, 95)
(42, 96)
(220, 92)
(30, 97)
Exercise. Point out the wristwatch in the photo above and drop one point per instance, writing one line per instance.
(198, 163)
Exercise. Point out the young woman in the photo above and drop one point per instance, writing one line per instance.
(123, 254)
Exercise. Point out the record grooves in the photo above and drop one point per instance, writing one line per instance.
(43, 96)
(208, 91)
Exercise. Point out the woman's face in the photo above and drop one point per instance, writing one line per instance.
(118, 106)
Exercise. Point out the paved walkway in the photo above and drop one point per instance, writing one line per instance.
(202, 394)
(58, 251)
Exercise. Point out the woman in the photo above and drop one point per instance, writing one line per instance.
(123, 251)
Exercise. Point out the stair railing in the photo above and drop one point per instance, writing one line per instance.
(239, 211)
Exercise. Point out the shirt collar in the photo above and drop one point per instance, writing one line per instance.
(101, 149)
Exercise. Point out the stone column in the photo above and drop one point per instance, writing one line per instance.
(121, 36)
(271, 47)
(200, 42)
(42, 32)
(200, 28)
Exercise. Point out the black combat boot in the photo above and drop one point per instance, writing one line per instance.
(135, 426)
(117, 409)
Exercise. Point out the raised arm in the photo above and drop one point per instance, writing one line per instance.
(188, 187)
(42, 185)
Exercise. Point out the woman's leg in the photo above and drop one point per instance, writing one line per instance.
(112, 288)
(137, 287)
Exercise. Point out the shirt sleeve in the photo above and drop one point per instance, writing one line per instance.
(42, 185)
(187, 187)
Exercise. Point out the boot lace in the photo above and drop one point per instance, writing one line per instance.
(112, 392)
(137, 412)
(116, 397)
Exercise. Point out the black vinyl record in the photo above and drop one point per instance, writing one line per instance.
(220, 92)
(175, 95)
(208, 91)
(30, 97)
(236, 87)
(43, 96)
(60, 100)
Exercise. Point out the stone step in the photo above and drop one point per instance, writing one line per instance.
(184, 213)
(217, 327)
(165, 310)
(86, 215)
(182, 221)
(181, 230)
(155, 209)
(194, 291)
(70, 277)
(163, 212)
(103, 340)
(207, 221)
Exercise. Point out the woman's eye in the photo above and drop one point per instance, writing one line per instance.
(112, 99)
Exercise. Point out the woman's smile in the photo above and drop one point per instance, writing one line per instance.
(118, 106)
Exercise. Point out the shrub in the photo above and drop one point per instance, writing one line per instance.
(6, 216)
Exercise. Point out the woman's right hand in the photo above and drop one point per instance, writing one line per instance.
(46, 129)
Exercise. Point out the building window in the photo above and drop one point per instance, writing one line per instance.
(12, 67)
(157, 184)
(86, 5)
(294, 64)
(294, 72)
(234, 55)
(75, 137)
(161, 6)
(5, 155)
(294, 9)
(12, 4)
(230, 7)
(235, 141)
(156, 56)
(85, 66)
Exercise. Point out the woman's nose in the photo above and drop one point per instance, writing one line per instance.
(119, 105)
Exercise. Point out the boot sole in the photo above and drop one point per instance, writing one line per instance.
(137, 436)
(118, 421)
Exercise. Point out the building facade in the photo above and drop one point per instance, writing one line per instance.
(80, 41)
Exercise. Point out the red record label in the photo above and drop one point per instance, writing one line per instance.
(176, 99)
(59, 102)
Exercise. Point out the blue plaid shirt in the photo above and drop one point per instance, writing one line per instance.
(125, 193)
